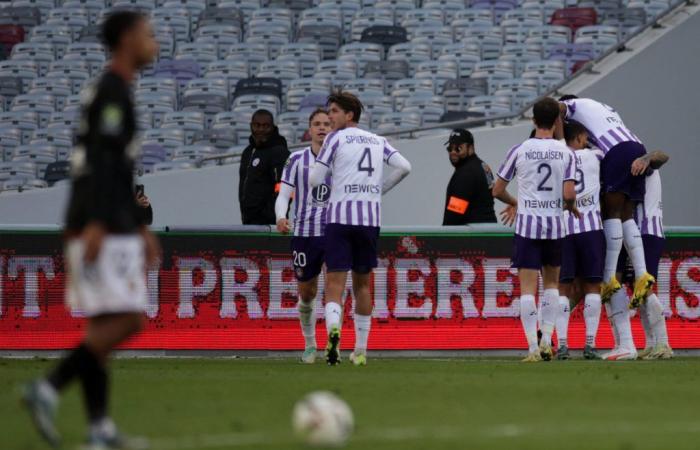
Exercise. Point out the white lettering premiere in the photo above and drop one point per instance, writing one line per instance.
(493, 288)
(188, 290)
(460, 287)
(30, 265)
(281, 287)
(407, 289)
(690, 287)
(245, 287)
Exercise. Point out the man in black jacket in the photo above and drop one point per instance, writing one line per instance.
(260, 170)
(468, 197)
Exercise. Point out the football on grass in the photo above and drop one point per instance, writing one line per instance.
(322, 419)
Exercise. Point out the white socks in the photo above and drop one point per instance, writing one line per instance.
(657, 321)
(528, 317)
(334, 315)
(608, 313)
(634, 246)
(613, 241)
(621, 318)
(362, 327)
(307, 318)
(562, 325)
(550, 311)
(591, 315)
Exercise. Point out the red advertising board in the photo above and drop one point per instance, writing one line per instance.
(236, 291)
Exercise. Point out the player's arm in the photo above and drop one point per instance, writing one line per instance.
(286, 191)
(569, 186)
(401, 166)
(500, 192)
(320, 169)
(653, 160)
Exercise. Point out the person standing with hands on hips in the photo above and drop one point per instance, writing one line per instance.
(468, 199)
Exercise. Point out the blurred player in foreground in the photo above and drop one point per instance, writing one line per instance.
(622, 189)
(308, 243)
(355, 159)
(583, 249)
(107, 247)
(649, 217)
(545, 171)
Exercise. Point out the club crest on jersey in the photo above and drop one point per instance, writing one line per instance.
(321, 193)
(256, 161)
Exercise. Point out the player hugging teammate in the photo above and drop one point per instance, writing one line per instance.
(617, 191)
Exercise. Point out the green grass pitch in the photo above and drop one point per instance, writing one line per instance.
(398, 403)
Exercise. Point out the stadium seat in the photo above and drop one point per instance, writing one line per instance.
(629, 20)
(601, 37)
(404, 89)
(389, 71)
(10, 35)
(522, 17)
(411, 53)
(24, 70)
(10, 86)
(498, 7)
(548, 35)
(574, 18)
(230, 70)
(653, 8)
(258, 86)
(283, 70)
(90, 53)
(218, 138)
(347, 9)
(461, 116)
(223, 36)
(329, 37)
(601, 6)
(489, 39)
(57, 171)
(38, 154)
(365, 87)
(546, 80)
(471, 18)
(173, 165)
(307, 55)
(389, 122)
(168, 138)
(222, 16)
(572, 54)
(251, 103)
(458, 92)
(75, 19)
(58, 36)
(64, 120)
(519, 94)
(361, 53)
(39, 52)
(386, 36)
(239, 122)
(369, 17)
(190, 122)
(516, 34)
(332, 17)
(547, 7)
(25, 17)
(301, 88)
(60, 139)
(313, 101)
(449, 8)
(23, 170)
(337, 70)
(465, 55)
(253, 53)
(175, 18)
(10, 138)
(399, 7)
(181, 70)
(26, 121)
(436, 37)
(438, 71)
(273, 37)
(193, 153)
(42, 104)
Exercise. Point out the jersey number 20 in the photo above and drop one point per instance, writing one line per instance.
(365, 164)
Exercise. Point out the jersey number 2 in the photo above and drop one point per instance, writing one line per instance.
(365, 164)
(544, 167)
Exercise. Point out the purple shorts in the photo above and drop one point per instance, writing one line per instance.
(583, 256)
(616, 170)
(536, 253)
(653, 248)
(308, 255)
(351, 247)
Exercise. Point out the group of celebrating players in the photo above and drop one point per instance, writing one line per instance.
(577, 206)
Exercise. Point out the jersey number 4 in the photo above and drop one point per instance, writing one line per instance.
(365, 164)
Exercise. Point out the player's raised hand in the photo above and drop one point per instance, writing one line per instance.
(640, 165)
(93, 234)
(283, 226)
(508, 215)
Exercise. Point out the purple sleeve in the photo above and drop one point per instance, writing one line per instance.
(570, 168)
(389, 150)
(290, 170)
(327, 153)
(507, 169)
(570, 108)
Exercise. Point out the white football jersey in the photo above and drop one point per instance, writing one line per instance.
(587, 192)
(541, 166)
(604, 125)
(649, 214)
(356, 158)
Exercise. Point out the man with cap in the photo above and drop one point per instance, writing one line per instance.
(468, 198)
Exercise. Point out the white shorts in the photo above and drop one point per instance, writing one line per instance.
(114, 283)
